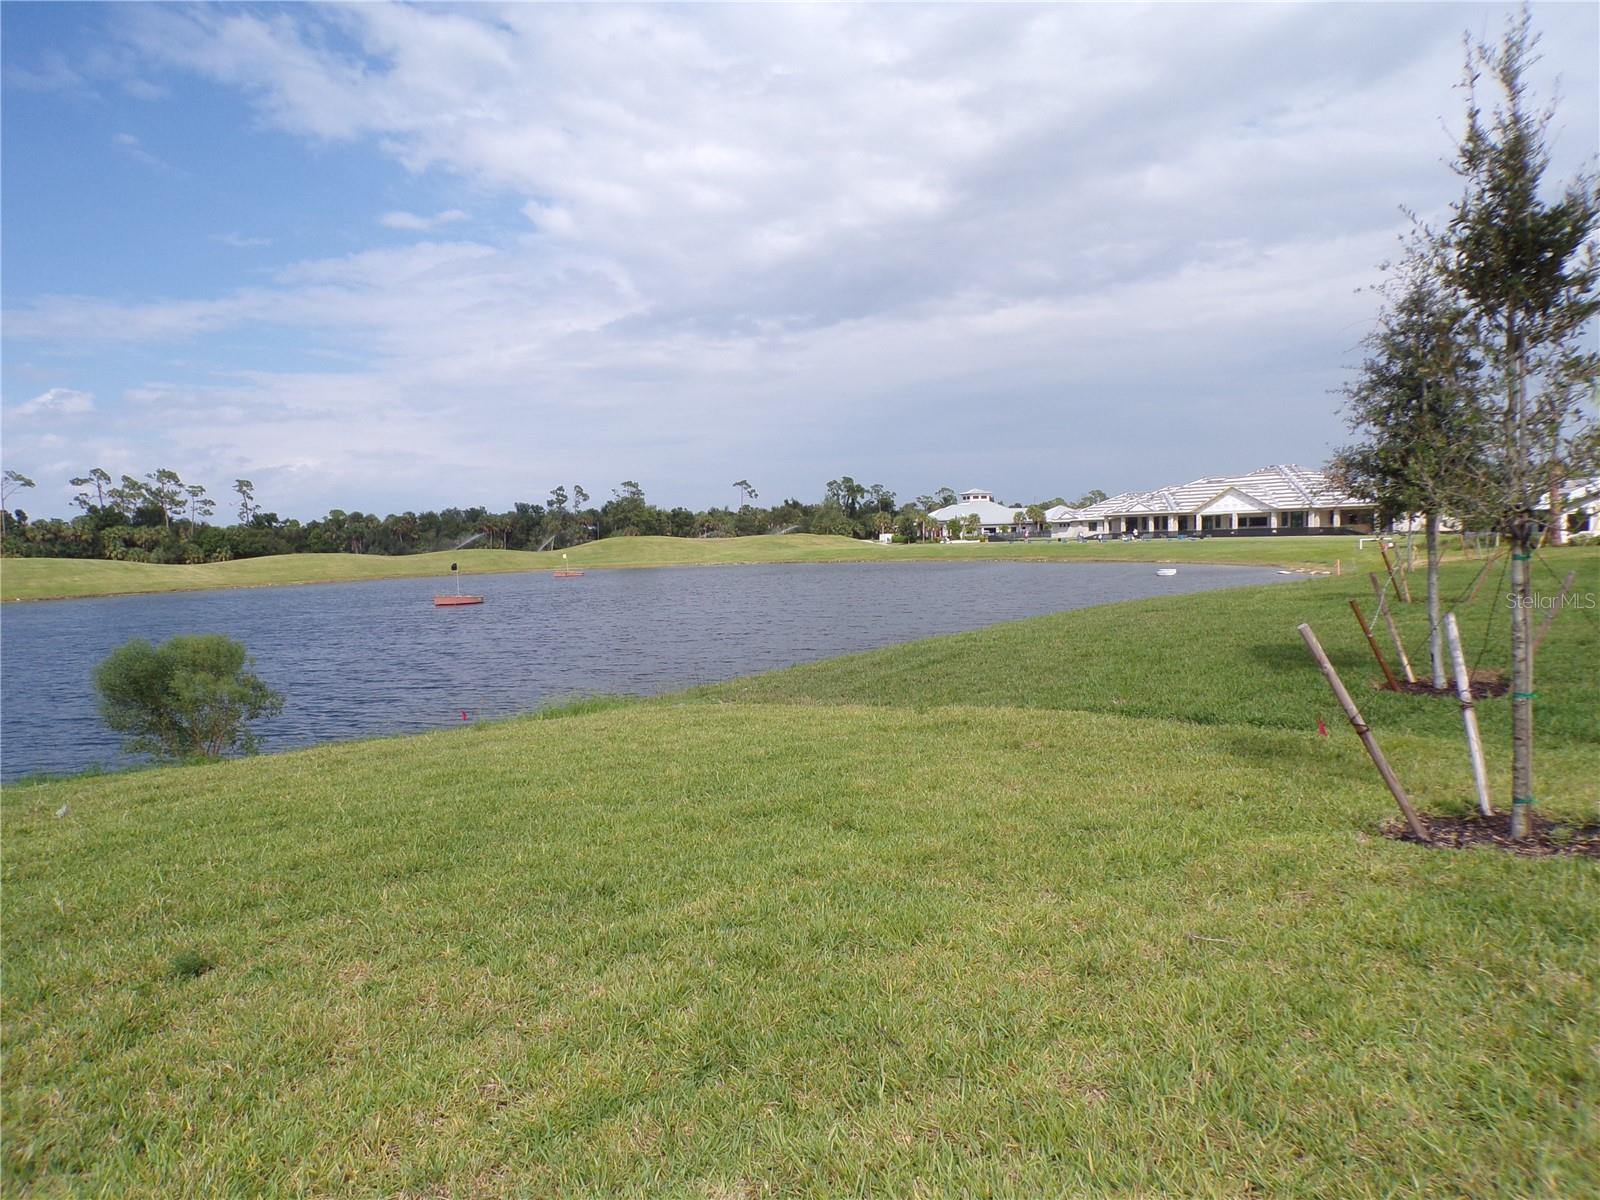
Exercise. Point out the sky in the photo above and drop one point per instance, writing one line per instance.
(388, 257)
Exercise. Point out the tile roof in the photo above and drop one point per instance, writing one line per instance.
(1280, 487)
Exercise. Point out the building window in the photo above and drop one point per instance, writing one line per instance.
(1293, 520)
(1253, 520)
(1362, 520)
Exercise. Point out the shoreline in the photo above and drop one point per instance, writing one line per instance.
(592, 556)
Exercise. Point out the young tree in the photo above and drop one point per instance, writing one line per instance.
(1526, 269)
(189, 697)
(1418, 405)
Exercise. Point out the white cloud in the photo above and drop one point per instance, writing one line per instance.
(240, 241)
(758, 231)
(128, 144)
(57, 402)
(405, 220)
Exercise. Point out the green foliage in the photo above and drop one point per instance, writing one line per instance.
(190, 697)
(1417, 405)
(1521, 256)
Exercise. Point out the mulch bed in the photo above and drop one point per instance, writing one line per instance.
(1486, 685)
(1546, 838)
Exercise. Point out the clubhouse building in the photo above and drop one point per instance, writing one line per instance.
(1273, 500)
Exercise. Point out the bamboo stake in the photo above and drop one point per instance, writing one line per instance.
(1394, 684)
(1550, 617)
(1469, 714)
(1387, 614)
(1418, 829)
(1400, 590)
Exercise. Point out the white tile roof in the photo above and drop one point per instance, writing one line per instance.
(989, 513)
(1285, 487)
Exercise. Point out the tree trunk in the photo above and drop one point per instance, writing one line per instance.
(1435, 633)
(1521, 680)
(1521, 594)
(1558, 527)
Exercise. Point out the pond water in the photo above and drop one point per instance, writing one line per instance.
(368, 659)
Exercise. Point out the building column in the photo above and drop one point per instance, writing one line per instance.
(1233, 520)
(1335, 519)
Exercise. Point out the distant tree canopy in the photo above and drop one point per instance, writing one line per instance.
(162, 518)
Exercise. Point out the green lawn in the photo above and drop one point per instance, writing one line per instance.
(1072, 906)
(55, 578)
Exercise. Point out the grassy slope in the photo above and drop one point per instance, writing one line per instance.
(826, 933)
(47, 579)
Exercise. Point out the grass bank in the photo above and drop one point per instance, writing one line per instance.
(54, 579)
(993, 914)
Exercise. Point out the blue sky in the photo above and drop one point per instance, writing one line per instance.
(385, 257)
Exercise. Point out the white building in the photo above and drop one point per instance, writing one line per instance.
(1279, 499)
(992, 518)
(1580, 506)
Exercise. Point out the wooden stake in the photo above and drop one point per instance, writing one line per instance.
(1400, 590)
(1469, 714)
(1418, 829)
(1387, 614)
(1394, 684)
(1550, 617)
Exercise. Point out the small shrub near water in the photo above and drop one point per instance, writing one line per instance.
(190, 697)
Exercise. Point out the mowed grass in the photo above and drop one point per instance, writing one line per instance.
(859, 933)
(56, 578)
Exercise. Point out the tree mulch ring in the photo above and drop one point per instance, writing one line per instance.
(1486, 685)
(1546, 838)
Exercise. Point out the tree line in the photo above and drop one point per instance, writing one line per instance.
(162, 518)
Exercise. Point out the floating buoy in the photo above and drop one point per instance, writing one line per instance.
(448, 601)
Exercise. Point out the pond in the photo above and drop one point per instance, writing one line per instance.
(369, 659)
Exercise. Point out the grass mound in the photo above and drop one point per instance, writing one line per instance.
(1040, 910)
